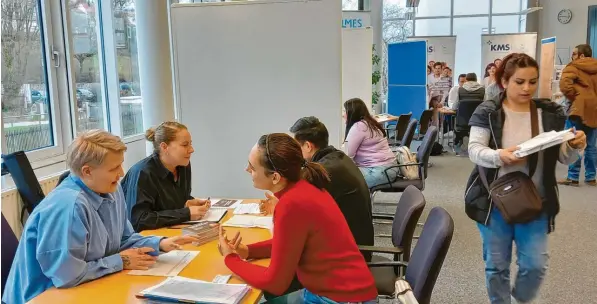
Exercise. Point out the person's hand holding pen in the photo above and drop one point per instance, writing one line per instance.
(579, 141)
(198, 208)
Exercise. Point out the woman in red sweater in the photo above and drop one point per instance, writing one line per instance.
(310, 238)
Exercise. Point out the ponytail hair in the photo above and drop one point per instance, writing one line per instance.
(281, 153)
(315, 174)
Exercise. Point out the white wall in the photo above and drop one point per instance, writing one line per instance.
(567, 35)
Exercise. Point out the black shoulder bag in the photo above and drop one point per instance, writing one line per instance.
(515, 194)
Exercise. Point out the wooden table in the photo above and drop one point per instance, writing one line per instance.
(121, 287)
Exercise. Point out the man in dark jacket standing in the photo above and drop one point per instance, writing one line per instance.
(347, 186)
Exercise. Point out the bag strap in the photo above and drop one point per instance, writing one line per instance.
(533, 158)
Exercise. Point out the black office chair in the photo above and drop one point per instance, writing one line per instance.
(399, 184)
(62, 177)
(9, 249)
(424, 123)
(22, 174)
(427, 259)
(404, 221)
(409, 135)
(399, 129)
(465, 111)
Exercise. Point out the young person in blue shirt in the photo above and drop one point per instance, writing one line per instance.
(80, 231)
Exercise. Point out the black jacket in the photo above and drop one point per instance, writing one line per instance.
(350, 191)
(490, 115)
(153, 198)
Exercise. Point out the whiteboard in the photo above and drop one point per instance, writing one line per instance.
(357, 67)
(244, 69)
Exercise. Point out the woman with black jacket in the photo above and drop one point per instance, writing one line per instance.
(497, 128)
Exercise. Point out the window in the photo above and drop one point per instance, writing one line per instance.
(27, 106)
(430, 8)
(432, 27)
(83, 29)
(468, 50)
(505, 24)
(350, 5)
(125, 41)
(508, 6)
(397, 30)
(471, 7)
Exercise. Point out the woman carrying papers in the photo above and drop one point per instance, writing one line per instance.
(311, 237)
(497, 128)
(158, 188)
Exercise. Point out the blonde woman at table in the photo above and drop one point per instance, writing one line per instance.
(80, 231)
(158, 188)
(367, 145)
(311, 237)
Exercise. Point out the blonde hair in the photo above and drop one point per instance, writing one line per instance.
(91, 148)
(164, 133)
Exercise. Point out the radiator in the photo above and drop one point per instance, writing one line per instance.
(12, 203)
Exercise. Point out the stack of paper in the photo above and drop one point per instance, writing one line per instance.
(179, 289)
(168, 264)
(543, 141)
(252, 208)
(250, 221)
(225, 203)
(205, 231)
(213, 215)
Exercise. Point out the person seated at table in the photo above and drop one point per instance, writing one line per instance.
(80, 231)
(347, 184)
(310, 236)
(470, 90)
(367, 145)
(158, 188)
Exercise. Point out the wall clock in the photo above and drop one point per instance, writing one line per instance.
(564, 16)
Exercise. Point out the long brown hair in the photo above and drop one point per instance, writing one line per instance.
(356, 110)
(281, 153)
(511, 63)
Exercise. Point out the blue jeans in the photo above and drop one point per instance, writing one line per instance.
(376, 175)
(590, 154)
(531, 244)
(304, 296)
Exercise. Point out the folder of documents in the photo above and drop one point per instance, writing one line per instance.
(543, 141)
(168, 264)
(250, 221)
(179, 289)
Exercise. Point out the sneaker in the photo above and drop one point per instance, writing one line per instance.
(591, 183)
(568, 182)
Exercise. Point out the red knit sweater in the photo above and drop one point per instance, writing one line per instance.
(311, 239)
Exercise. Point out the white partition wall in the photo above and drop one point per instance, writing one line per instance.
(244, 69)
(357, 67)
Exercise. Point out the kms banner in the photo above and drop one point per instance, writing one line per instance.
(496, 46)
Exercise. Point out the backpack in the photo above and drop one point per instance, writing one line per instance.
(437, 149)
(404, 157)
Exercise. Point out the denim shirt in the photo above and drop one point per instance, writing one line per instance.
(73, 236)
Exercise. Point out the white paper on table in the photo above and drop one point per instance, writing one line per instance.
(190, 290)
(543, 141)
(212, 215)
(252, 208)
(250, 221)
(225, 203)
(168, 264)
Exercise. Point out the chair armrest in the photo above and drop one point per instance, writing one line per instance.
(388, 264)
(383, 216)
(405, 165)
(392, 250)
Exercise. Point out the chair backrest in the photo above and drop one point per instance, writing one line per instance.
(425, 150)
(409, 210)
(425, 121)
(465, 110)
(9, 249)
(409, 134)
(429, 254)
(22, 174)
(402, 124)
(62, 177)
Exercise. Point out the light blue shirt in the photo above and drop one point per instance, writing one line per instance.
(73, 236)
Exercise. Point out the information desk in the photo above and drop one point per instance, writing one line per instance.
(121, 287)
